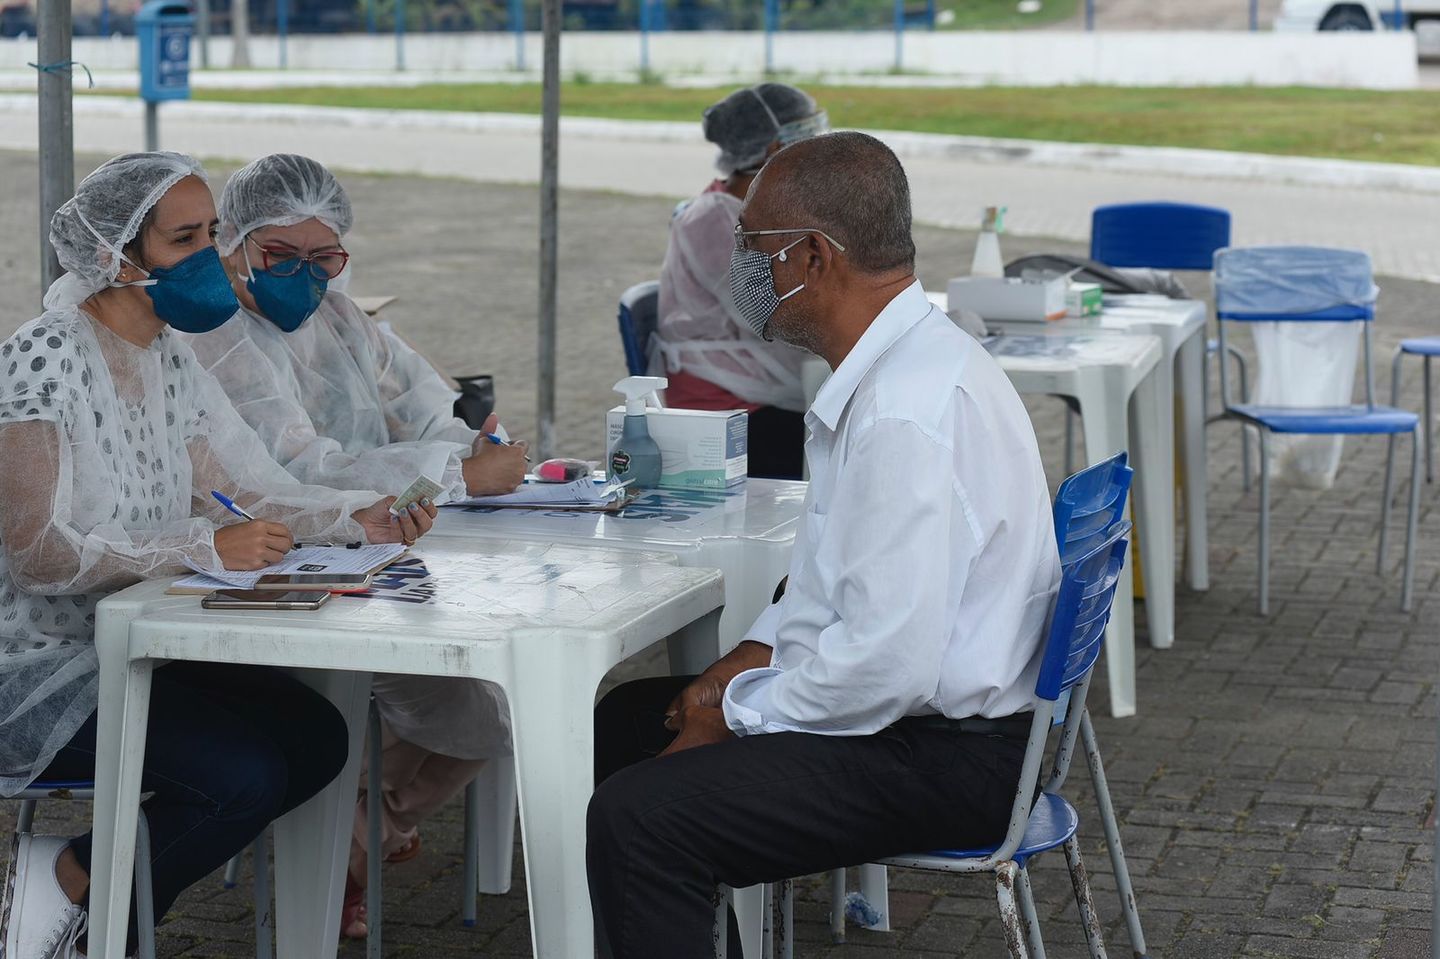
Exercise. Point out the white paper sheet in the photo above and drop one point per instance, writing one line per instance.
(307, 559)
(582, 492)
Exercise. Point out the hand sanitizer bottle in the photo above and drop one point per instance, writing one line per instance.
(987, 261)
(635, 455)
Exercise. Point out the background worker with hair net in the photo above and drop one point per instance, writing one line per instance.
(339, 402)
(714, 361)
(112, 437)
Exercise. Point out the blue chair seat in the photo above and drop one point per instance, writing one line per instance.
(1421, 346)
(1328, 420)
(1052, 822)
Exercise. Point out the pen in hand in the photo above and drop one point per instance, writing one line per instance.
(229, 504)
(499, 442)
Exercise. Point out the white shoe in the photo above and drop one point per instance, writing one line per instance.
(40, 920)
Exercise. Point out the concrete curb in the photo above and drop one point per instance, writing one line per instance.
(1172, 161)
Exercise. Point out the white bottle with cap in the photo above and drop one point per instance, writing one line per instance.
(635, 455)
(987, 261)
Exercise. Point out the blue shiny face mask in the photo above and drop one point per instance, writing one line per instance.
(194, 295)
(286, 301)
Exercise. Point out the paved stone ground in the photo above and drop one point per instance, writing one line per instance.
(1274, 789)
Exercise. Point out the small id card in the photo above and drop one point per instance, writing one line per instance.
(423, 488)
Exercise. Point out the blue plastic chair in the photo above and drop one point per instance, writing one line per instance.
(1167, 236)
(1092, 534)
(85, 790)
(1427, 347)
(1367, 418)
(639, 307)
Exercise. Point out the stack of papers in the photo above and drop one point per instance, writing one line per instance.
(307, 559)
(584, 493)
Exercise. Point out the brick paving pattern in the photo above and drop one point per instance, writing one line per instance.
(1274, 790)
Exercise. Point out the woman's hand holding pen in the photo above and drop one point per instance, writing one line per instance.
(493, 466)
(383, 526)
(252, 545)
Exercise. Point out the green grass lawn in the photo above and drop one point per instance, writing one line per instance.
(1002, 15)
(1399, 127)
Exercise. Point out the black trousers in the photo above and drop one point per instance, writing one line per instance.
(776, 444)
(662, 833)
(228, 749)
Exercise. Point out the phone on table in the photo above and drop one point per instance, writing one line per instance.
(331, 582)
(265, 599)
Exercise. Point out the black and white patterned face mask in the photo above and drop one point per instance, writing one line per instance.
(752, 283)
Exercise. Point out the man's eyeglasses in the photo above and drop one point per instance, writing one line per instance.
(742, 234)
(325, 265)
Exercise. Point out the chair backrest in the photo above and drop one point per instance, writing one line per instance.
(639, 307)
(1089, 504)
(1077, 632)
(1165, 236)
(1306, 284)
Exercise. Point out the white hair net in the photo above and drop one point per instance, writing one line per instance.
(744, 124)
(91, 228)
(278, 190)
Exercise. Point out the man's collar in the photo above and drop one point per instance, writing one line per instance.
(908, 307)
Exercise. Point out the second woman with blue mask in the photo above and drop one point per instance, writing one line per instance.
(341, 402)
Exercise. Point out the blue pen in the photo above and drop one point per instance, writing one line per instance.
(229, 504)
(499, 442)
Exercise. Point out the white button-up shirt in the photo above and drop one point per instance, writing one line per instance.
(923, 576)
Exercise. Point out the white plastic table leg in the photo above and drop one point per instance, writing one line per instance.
(495, 790)
(1152, 453)
(123, 713)
(1107, 433)
(875, 887)
(1190, 395)
(749, 906)
(312, 842)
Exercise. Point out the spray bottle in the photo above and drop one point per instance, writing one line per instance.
(987, 261)
(635, 455)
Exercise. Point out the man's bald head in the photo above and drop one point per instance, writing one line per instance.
(848, 185)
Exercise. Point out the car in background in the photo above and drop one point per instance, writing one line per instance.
(1309, 15)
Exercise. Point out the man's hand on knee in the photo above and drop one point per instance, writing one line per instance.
(708, 689)
(698, 726)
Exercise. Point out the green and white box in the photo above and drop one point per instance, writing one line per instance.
(699, 449)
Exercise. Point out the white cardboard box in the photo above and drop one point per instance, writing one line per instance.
(699, 449)
(1009, 298)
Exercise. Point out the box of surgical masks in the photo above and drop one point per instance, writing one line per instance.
(699, 449)
(1010, 298)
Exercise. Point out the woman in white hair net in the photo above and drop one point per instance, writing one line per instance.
(339, 402)
(713, 360)
(113, 438)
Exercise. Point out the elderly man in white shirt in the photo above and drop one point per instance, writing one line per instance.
(881, 705)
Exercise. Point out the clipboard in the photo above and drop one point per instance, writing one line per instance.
(378, 556)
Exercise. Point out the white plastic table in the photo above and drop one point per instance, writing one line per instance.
(1180, 325)
(1111, 376)
(746, 532)
(545, 622)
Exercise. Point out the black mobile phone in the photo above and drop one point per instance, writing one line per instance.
(265, 599)
(340, 582)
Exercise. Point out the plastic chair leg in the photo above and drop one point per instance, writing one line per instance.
(232, 872)
(25, 820)
(1388, 487)
(1029, 916)
(374, 854)
(264, 901)
(837, 905)
(1108, 823)
(144, 890)
(1243, 370)
(1005, 879)
(1407, 588)
(472, 856)
(495, 835)
(1080, 880)
(1265, 522)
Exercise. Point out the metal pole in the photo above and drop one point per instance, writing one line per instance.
(644, 36)
(202, 28)
(517, 23)
(772, 23)
(549, 233)
(1254, 15)
(899, 35)
(1089, 14)
(399, 34)
(152, 126)
(240, 34)
(282, 27)
(57, 126)
(104, 18)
